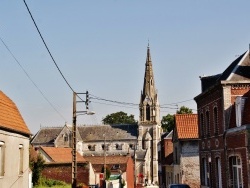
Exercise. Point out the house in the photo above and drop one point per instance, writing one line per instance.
(186, 150)
(224, 124)
(119, 165)
(58, 165)
(166, 159)
(14, 146)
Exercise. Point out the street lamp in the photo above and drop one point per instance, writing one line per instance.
(75, 114)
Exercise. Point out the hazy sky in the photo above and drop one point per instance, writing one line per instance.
(100, 46)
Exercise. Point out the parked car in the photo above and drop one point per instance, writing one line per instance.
(178, 186)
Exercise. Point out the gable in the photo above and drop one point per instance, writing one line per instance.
(10, 117)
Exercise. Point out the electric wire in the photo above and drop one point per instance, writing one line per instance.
(134, 104)
(114, 105)
(47, 47)
(26, 73)
(177, 102)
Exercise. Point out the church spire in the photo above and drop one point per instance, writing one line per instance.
(149, 101)
(148, 61)
(149, 86)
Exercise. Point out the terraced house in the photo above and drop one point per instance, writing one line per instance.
(224, 124)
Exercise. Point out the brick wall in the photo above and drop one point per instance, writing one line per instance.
(62, 172)
(190, 167)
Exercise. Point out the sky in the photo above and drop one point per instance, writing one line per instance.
(100, 47)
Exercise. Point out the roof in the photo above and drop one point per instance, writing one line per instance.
(98, 162)
(11, 118)
(112, 132)
(238, 70)
(46, 135)
(61, 155)
(169, 135)
(186, 126)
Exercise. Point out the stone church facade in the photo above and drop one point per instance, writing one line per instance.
(149, 128)
(139, 140)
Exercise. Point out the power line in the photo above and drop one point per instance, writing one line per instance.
(47, 47)
(108, 100)
(177, 102)
(26, 73)
(114, 105)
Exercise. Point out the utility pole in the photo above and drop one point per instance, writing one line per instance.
(104, 161)
(75, 113)
(74, 162)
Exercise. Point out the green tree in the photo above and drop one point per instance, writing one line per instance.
(184, 110)
(36, 165)
(108, 172)
(168, 121)
(119, 118)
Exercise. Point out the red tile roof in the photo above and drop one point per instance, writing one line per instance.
(61, 155)
(186, 126)
(10, 116)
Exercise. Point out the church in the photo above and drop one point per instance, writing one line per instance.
(139, 140)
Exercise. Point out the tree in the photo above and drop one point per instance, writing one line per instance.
(119, 118)
(184, 110)
(36, 165)
(167, 121)
(108, 172)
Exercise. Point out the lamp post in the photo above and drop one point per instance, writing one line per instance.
(75, 114)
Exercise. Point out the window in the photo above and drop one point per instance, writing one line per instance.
(235, 166)
(202, 125)
(204, 172)
(20, 170)
(216, 127)
(239, 106)
(66, 138)
(2, 155)
(207, 124)
(218, 172)
(147, 112)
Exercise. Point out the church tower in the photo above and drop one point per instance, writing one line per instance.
(149, 128)
(149, 106)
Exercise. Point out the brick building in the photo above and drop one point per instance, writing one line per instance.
(186, 167)
(58, 165)
(166, 159)
(224, 124)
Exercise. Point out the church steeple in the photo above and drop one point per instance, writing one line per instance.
(149, 85)
(149, 108)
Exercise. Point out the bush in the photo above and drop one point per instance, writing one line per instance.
(50, 182)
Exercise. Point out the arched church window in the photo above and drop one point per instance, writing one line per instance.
(148, 112)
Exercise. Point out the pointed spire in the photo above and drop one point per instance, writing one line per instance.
(148, 61)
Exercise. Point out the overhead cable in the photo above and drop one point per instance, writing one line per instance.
(26, 73)
(47, 47)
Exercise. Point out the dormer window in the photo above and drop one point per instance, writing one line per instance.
(239, 107)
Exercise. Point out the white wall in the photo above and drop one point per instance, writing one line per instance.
(11, 176)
